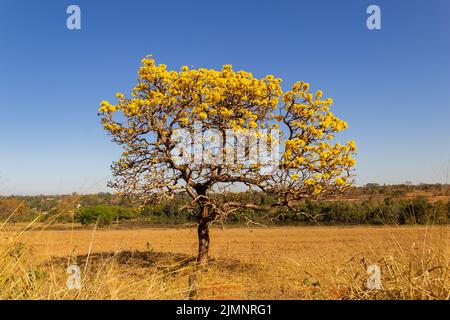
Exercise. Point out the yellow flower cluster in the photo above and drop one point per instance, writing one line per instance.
(106, 107)
(311, 124)
(224, 97)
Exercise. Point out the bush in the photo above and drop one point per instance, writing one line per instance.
(103, 215)
(389, 211)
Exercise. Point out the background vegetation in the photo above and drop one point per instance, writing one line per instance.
(372, 204)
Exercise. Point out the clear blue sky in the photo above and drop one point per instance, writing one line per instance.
(391, 85)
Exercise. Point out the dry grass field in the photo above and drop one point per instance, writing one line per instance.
(246, 263)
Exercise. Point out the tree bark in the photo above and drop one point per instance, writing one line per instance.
(203, 238)
(203, 242)
(203, 251)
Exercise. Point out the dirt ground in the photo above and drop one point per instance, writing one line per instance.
(254, 263)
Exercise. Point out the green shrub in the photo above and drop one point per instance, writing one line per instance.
(103, 215)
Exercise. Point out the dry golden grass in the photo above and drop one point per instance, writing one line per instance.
(258, 263)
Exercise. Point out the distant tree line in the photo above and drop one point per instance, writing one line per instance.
(371, 204)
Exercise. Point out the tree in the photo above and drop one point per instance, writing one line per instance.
(216, 108)
(10, 208)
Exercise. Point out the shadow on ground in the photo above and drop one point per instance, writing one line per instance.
(146, 259)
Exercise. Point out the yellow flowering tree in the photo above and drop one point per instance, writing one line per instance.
(164, 101)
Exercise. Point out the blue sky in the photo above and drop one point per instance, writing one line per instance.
(391, 85)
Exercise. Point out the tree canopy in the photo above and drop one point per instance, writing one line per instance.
(164, 101)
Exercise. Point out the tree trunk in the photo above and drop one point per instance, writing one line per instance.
(203, 243)
(203, 251)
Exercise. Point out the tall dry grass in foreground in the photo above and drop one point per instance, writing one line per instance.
(262, 263)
